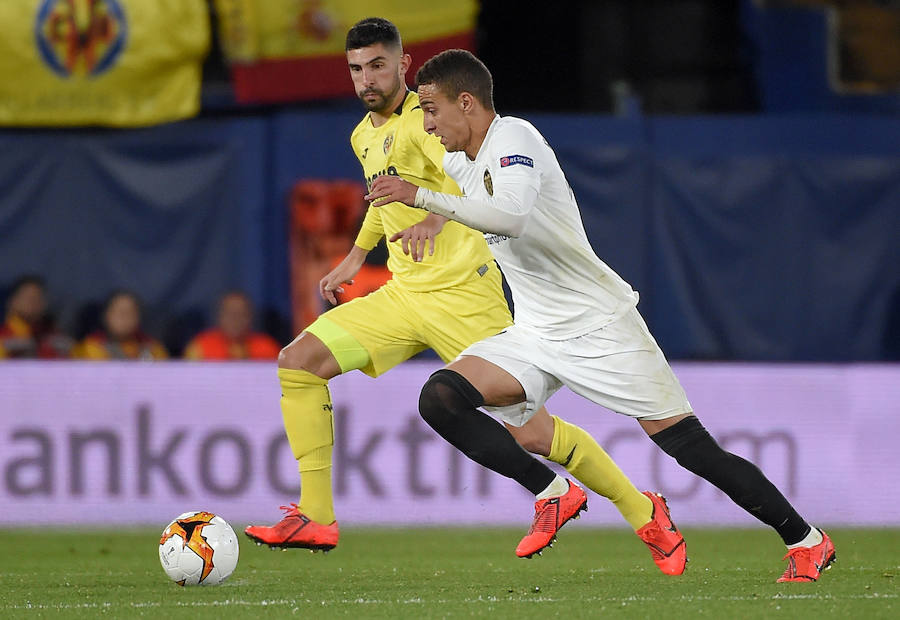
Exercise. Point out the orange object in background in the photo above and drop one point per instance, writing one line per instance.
(213, 344)
(233, 337)
(324, 218)
(370, 278)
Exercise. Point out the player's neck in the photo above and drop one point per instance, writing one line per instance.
(380, 117)
(480, 124)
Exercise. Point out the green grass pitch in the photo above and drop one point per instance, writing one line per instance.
(449, 573)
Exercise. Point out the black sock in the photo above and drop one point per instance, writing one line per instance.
(449, 403)
(695, 450)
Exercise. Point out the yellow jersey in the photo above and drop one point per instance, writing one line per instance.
(402, 147)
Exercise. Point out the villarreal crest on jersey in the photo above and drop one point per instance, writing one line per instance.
(402, 147)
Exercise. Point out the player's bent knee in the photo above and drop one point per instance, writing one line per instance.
(432, 407)
(310, 354)
(292, 356)
(445, 396)
(285, 358)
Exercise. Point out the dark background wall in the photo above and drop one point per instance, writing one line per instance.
(695, 56)
(753, 205)
(763, 238)
(677, 56)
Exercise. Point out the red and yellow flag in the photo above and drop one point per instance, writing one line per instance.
(101, 62)
(290, 50)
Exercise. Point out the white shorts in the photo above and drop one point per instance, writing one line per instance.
(619, 367)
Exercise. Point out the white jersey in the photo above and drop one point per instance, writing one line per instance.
(516, 192)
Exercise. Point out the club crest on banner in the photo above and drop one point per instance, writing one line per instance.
(80, 37)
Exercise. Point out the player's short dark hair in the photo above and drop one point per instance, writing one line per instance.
(457, 71)
(372, 30)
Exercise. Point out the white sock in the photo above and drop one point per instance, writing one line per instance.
(559, 486)
(812, 539)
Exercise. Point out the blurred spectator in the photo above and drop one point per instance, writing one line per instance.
(121, 337)
(233, 339)
(28, 331)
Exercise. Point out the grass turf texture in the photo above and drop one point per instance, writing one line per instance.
(427, 573)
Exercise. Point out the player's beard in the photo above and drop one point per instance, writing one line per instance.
(382, 101)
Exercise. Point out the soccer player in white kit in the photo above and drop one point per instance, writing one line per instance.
(576, 321)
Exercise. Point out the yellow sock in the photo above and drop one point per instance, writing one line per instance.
(582, 456)
(307, 413)
(316, 499)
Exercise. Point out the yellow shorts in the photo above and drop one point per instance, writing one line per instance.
(393, 324)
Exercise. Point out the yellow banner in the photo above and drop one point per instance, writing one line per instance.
(101, 62)
(254, 30)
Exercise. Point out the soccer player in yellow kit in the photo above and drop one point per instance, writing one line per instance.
(444, 301)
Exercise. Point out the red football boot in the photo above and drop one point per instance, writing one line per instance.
(550, 515)
(807, 563)
(662, 537)
(295, 530)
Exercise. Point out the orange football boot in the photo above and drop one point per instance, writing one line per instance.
(550, 515)
(661, 535)
(807, 563)
(295, 530)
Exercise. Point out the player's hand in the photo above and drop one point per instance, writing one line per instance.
(329, 285)
(417, 237)
(388, 188)
(334, 279)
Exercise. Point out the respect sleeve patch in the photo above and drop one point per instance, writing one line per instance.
(512, 160)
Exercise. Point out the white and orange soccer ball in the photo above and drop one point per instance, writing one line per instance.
(198, 548)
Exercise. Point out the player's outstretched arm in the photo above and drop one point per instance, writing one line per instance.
(503, 214)
(417, 237)
(342, 274)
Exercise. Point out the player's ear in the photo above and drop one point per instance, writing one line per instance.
(405, 62)
(465, 101)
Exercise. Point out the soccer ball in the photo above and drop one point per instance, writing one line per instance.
(198, 548)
